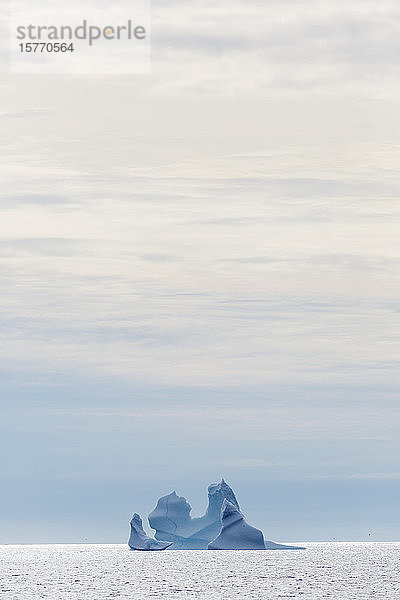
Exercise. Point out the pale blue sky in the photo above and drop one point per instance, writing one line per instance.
(200, 277)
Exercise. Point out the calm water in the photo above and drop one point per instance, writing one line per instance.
(92, 572)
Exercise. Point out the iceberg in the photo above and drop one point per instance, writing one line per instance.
(174, 524)
(172, 520)
(235, 533)
(139, 540)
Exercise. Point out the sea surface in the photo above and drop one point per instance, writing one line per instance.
(339, 571)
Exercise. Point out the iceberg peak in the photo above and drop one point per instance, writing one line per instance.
(217, 493)
(235, 533)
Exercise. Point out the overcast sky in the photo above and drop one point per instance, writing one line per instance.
(200, 277)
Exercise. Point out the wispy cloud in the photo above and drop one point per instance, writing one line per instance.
(334, 48)
(275, 421)
(384, 476)
(22, 114)
(42, 247)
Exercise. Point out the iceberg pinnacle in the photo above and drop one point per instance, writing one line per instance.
(235, 533)
(139, 540)
(217, 493)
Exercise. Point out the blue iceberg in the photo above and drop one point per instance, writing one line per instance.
(139, 540)
(172, 520)
(222, 526)
(235, 533)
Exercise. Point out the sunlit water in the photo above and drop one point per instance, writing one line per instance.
(339, 571)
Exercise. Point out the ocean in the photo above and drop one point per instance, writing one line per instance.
(341, 571)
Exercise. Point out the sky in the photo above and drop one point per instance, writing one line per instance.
(200, 277)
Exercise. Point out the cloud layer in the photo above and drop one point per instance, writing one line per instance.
(200, 271)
